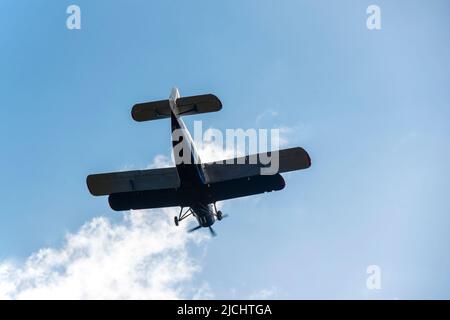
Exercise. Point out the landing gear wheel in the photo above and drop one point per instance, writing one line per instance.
(175, 219)
(219, 215)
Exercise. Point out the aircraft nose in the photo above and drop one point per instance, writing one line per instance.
(206, 220)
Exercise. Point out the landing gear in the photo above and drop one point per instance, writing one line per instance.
(219, 214)
(182, 215)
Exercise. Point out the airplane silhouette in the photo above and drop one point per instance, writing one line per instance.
(191, 184)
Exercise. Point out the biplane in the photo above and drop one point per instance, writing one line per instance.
(193, 186)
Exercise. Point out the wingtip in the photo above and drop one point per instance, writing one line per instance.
(308, 159)
(89, 184)
(219, 103)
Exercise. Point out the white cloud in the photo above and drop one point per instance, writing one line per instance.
(211, 150)
(161, 161)
(143, 257)
(266, 114)
(263, 294)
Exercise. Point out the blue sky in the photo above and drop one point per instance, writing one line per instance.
(371, 107)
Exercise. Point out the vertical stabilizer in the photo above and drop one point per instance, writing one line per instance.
(174, 96)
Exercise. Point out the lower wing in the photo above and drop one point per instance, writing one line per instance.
(186, 197)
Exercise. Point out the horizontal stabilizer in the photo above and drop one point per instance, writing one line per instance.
(184, 106)
(129, 181)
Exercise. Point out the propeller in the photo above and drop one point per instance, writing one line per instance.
(213, 233)
(195, 228)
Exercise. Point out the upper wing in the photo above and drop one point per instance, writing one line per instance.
(129, 181)
(248, 166)
(185, 106)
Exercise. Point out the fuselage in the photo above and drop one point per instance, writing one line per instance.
(190, 171)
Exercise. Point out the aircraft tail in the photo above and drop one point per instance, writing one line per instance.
(174, 96)
(179, 106)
